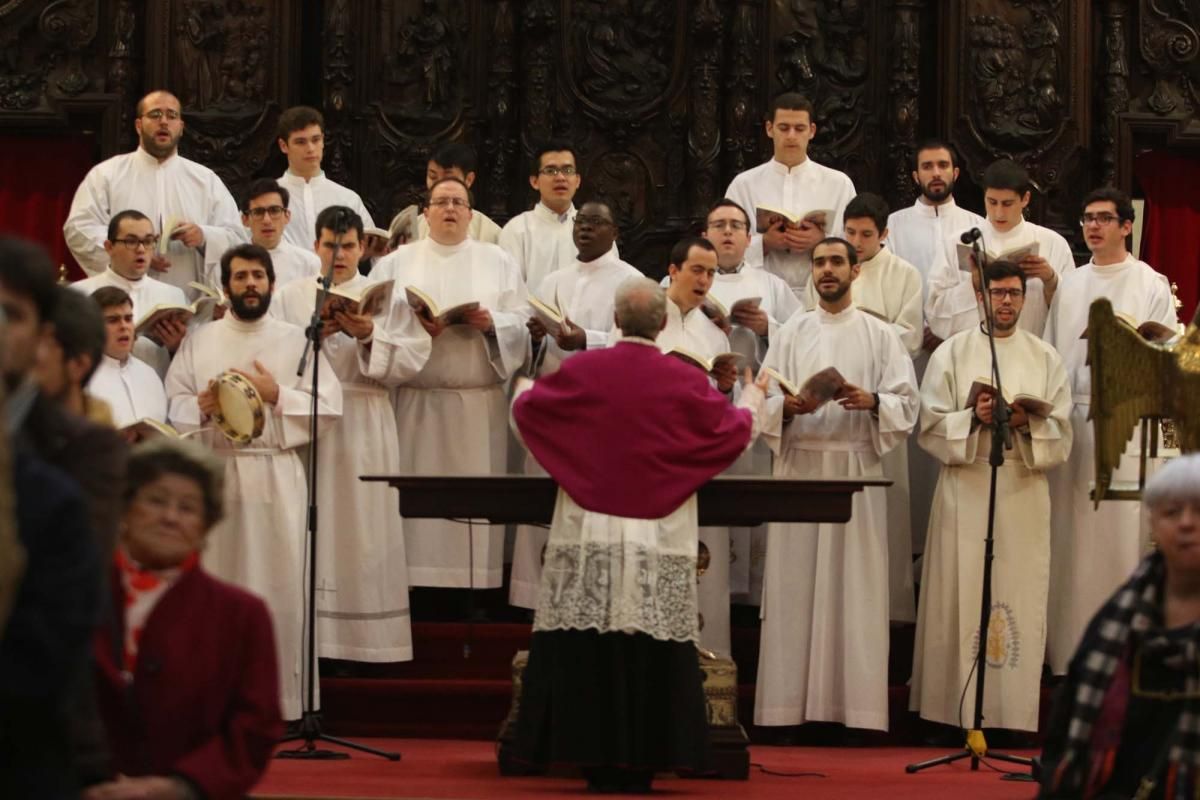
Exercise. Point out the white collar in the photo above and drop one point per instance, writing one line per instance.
(294, 178)
(245, 326)
(544, 211)
(829, 318)
(734, 272)
(109, 362)
(779, 168)
(597, 263)
(150, 160)
(637, 340)
(447, 249)
(123, 282)
(932, 211)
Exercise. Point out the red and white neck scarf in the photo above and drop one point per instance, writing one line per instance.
(143, 588)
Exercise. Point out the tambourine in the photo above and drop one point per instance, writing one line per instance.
(241, 413)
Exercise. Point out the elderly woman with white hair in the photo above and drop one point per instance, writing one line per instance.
(1127, 720)
(186, 673)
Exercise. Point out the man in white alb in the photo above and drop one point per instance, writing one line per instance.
(916, 234)
(950, 304)
(958, 432)
(302, 139)
(728, 227)
(450, 376)
(584, 292)
(261, 545)
(362, 603)
(824, 653)
(889, 287)
(539, 240)
(452, 160)
(266, 214)
(130, 247)
(163, 185)
(1094, 550)
(794, 183)
(131, 388)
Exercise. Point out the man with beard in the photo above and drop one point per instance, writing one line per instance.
(1094, 550)
(584, 291)
(958, 433)
(951, 304)
(364, 614)
(163, 185)
(824, 647)
(792, 182)
(261, 544)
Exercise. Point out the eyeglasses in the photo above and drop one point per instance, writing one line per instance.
(1000, 294)
(595, 222)
(728, 225)
(132, 242)
(1102, 219)
(157, 114)
(554, 172)
(443, 202)
(272, 211)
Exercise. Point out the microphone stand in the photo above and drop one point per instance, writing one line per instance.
(310, 720)
(975, 746)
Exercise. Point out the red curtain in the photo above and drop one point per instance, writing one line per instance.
(1171, 228)
(40, 174)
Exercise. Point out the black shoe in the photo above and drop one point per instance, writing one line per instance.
(637, 781)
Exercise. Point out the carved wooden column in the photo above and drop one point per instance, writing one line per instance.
(742, 111)
(338, 76)
(904, 89)
(704, 131)
(123, 69)
(1115, 95)
(503, 160)
(539, 24)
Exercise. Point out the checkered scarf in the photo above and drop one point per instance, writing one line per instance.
(1134, 612)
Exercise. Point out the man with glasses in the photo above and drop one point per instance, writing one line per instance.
(168, 188)
(950, 304)
(301, 137)
(958, 433)
(540, 240)
(130, 247)
(1081, 581)
(265, 213)
(450, 376)
(584, 291)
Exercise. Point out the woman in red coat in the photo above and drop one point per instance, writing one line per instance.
(186, 663)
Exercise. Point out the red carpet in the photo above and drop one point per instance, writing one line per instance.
(442, 768)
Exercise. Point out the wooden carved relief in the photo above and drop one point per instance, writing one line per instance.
(230, 63)
(904, 89)
(1022, 94)
(704, 133)
(1169, 44)
(743, 109)
(504, 167)
(338, 76)
(124, 56)
(539, 24)
(1114, 99)
(47, 54)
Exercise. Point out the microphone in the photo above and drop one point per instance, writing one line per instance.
(971, 236)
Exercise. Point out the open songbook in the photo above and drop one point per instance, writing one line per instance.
(820, 388)
(147, 428)
(706, 364)
(1150, 330)
(427, 307)
(551, 317)
(169, 223)
(201, 309)
(1033, 405)
(371, 299)
(715, 310)
(967, 264)
(768, 217)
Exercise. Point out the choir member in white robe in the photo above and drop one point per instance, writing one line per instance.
(728, 227)
(791, 182)
(457, 160)
(959, 435)
(129, 385)
(915, 234)
(302, 140)
(261, 542)
(824, 652)
(890, 288)
(163, 185)
(1094, 550)
(612, 682)
(584, 292)
(266, 214)
(362, 600)
(130, 247)
(450, 399)
(951, 306)
(539, 240)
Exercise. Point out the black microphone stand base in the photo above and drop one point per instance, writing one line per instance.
(974, 749)
(310, 734)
